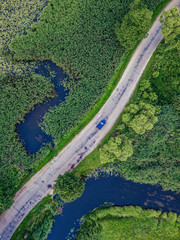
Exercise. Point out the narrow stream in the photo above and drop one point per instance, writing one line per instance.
(29, 131)
(114, 190)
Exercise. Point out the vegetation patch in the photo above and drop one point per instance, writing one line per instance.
(129, 223)
(69, 187)
(16, 18)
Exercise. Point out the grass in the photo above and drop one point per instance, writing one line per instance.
(129, 223)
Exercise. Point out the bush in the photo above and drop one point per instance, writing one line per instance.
(69, 187)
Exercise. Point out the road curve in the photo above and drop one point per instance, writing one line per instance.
(87, 140)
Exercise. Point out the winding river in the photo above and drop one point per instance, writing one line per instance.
(29, 130)
(114, 190)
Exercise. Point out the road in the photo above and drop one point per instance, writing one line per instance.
(87, 140)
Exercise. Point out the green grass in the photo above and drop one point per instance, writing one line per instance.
(129, 223)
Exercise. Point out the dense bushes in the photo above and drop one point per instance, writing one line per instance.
(170, 29)
(18, 96)
(129, 223)
(156, 153)
(69, 187)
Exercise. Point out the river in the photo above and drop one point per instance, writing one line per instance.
(114, 190)
(29, 131)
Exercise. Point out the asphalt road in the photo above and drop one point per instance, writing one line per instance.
(87, 140)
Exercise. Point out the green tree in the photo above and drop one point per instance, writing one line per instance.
(171, 27)
(134, 26)
(69, 186)
(118, 148)
(140, 117)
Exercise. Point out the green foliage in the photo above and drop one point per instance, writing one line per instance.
(140, 117)
(129, 223)
(69, 186)
(171, 28)
(166, 84)
(134, 26)
(156, 153)
(18, 96)
(118, 148)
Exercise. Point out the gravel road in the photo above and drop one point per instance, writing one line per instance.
(87, 140)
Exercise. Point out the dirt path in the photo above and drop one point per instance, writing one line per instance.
(87, 140)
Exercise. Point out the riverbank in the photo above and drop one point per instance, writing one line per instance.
(110, 189)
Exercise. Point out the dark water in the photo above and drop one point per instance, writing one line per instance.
(30, 133)
(114, 190)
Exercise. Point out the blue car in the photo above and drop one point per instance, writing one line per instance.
(101, 124)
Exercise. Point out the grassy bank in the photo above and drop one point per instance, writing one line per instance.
(129, 223)
(28, 227)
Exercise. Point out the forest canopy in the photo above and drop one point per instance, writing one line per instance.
(135, 25)
(69, 187)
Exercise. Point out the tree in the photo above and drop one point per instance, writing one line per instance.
(140, 117)
(141, 123)
(69, 186)
(118, 148)
(134, 26)
(171, 28)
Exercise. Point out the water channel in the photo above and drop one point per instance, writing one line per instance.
(29, 130)
(114, 190)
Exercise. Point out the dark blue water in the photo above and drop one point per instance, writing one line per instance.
(29, 131)
(113, 190)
